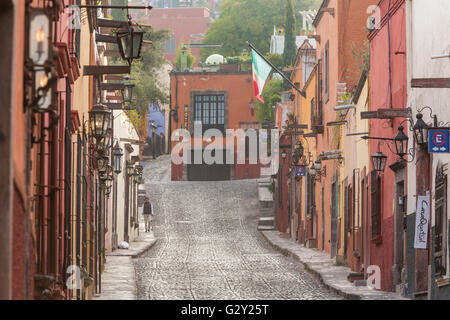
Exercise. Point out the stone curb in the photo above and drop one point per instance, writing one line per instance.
(328, 279)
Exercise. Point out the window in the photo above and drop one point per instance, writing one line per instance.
(327, 72)
(376, 204)
(210, 110)
(440, 247)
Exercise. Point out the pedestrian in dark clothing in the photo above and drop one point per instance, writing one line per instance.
(148, 214)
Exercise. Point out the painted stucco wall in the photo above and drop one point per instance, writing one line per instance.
(428, 35)
(123, 129)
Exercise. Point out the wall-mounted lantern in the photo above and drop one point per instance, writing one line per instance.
(127, 90)
(117, 156)
(401, 143)
(420, 130)
(100, 118)
(130, 40)
(40, 33)
(379, 161)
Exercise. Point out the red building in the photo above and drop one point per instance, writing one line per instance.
(219, 100)
(388, 90)
(187, 25)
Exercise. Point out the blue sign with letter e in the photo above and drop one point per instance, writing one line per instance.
(438, 141)
(300, 171)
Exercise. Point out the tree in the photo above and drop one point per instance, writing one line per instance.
(248, 20)
(189, 60)
(290, 48)
(270, 96)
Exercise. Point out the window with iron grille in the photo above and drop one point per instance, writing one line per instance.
(376, 204)
(210, 111)
(440, 234)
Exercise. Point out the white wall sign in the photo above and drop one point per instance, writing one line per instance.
(422, 221)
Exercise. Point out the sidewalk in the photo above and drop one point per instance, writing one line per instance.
(322, 266)
(118, 279)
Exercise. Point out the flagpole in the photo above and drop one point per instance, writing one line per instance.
(276, 69)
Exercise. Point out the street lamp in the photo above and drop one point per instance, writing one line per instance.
(40, 31)
(283, 155)
(401, 143)
(421, 130)
(117, 156)
(300, 149)
(102, 161)
(100, 118)
(379, 161)
(130, 40)
(127, 90)
(108, 185)
(130, 169)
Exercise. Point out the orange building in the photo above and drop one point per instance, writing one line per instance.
(218, 100)
(340, 26)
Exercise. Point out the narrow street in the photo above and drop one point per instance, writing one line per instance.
(208, 246)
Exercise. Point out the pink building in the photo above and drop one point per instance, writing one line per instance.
(187, 25)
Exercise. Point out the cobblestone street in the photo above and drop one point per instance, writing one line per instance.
(208, 246)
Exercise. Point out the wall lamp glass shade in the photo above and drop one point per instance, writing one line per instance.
(130, 169)
(379, 161)
(100, 118)
(301, 150)
(127, 90)
(130, 42)
(106, 141)
(420, 130)
(40, 35)
(312, 170)
(318, 165)
(108, 182)
(102, 161)
(42, 78)
(401, 143)
(283, 154)
(117, 156)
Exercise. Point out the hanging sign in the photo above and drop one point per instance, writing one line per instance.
(438, 141)
(422, 221)
(300, 171)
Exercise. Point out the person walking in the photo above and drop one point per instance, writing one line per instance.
(148, 214)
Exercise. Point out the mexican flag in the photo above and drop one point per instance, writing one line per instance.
(261, 70)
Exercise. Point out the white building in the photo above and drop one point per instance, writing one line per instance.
(428, 40)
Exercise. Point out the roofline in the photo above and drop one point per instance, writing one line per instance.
(320, 13)
(360, 86)
(221, 72)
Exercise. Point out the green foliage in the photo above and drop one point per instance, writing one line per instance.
(361, 55)
(290, 48)
(270, 96)
(190, 58)
(276, 59)
(144, 75)
(249, 20)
